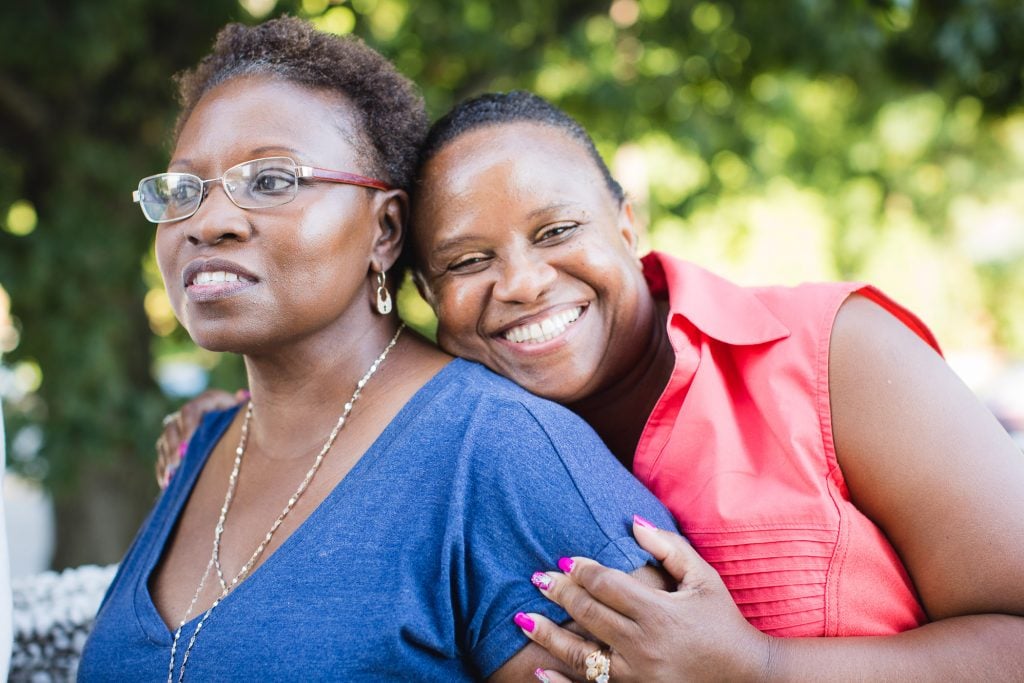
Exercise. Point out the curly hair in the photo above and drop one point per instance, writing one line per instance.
(392, 112)
(496, 108)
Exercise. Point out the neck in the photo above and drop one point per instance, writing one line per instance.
(619, 413)
(301, 391)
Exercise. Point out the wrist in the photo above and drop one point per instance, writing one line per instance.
(762, 658)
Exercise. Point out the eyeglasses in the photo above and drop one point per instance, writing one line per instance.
(256, 184)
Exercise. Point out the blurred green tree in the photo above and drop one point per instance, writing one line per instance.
(875, 139)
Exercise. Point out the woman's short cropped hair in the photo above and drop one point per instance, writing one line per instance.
(393, 115)
(516, 106)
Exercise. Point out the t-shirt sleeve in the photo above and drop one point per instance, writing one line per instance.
(539, 485)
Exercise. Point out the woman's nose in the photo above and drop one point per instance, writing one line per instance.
(524, 279)
(218, 219)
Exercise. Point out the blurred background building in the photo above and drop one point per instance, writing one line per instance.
(773, 142)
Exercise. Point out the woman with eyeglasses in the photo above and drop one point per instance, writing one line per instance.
(835, 476)
(367, 514)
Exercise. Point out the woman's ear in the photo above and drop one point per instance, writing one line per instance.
(392, 220)
(627, 227)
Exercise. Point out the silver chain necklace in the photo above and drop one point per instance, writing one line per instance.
(228, 586)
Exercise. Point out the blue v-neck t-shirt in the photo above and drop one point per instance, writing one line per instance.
(413, 566)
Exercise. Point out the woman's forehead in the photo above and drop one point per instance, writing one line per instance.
(247, 109)
(515, 138)
(523, 158)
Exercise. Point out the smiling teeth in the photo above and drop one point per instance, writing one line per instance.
(545, 330)
(207, 278)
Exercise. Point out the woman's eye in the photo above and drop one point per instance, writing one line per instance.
(555, 232)
(186, 190)
(270, 182)
(467, 264)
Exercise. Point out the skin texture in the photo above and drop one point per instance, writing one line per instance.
(921, 456)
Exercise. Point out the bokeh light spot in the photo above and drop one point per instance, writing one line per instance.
(21, 218)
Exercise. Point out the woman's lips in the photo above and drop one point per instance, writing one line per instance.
(215, 279)
(208, 291)
(544, 333)
(543, 329)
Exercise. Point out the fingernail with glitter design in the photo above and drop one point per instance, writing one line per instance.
(541, 580)
(524, 622)
(541, 676)
(183, 448)
(566, 564)
(640, 521)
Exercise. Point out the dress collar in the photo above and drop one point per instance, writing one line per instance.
(718, 308)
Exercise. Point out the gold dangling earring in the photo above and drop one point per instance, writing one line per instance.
(383, 295)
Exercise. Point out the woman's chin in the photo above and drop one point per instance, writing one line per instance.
(220, 343)
(554, 386)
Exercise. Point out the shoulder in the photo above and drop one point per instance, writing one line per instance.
(744, 316)
(528, 448)
(910, 438)
(868, 328)
(808, 307)
(480, 395)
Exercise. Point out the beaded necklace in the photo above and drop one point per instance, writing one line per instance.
(214, 563)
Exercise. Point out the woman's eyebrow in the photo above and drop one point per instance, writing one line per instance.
(451, 244)
(263, 149)
(275, 148)
(548, 208)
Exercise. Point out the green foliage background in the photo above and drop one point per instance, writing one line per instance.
(772, 141)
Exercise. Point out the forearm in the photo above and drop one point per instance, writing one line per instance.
(977, 647)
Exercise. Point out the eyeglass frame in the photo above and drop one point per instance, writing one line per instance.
(301, 172)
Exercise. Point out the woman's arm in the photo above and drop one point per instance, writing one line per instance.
(930, 466)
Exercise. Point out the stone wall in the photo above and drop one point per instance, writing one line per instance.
(53, 613)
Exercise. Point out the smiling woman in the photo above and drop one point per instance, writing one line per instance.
(354, 520)
(808, 440)
(496, 251)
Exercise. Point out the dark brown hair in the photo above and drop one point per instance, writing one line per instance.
(496, 108)
(394, 119)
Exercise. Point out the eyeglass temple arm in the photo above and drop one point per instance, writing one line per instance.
(341, 177)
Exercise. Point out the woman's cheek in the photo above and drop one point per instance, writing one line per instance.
(457, 318)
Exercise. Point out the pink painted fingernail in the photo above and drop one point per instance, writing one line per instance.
(541, 676)
(640, 521)
(524, 622)
(566, 564)
(183, 448)
(541, 580)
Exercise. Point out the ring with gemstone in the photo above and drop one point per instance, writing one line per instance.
(171, 417)
(599, 666)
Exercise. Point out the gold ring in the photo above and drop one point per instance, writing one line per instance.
(599, 666)
(171, 417)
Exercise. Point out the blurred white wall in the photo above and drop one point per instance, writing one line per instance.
(30, 526)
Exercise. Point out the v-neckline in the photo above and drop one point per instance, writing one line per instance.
(149, 618)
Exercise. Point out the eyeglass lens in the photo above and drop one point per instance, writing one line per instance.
(256, 184)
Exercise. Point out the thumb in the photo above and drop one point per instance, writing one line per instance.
(673, 551)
